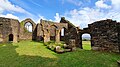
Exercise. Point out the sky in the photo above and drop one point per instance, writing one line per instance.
(79, 12)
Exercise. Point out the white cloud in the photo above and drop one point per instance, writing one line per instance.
(83, 17)
(57, 17)
(1, 10)
(86, 15)
(7, 5)
(42, 17)
(101, 4)
(116, 4)
(9, 16)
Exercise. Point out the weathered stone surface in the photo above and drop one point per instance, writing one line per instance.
(58, 49)
(118, 63)
(9, 27)
(27, 35)
(105, 34)
(53, 28)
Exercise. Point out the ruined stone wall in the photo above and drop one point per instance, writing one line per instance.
(39, 32)
(104, 35)
(27, 35)
(15, 29)
(70, 32)
(48, 29)
(8, 26)
(118, 28)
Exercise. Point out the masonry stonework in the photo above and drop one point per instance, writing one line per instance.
(105, 34)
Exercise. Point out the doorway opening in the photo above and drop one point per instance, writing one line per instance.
(86, 41)
(11, 37)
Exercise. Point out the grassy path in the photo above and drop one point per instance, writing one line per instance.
(35, 54)
(86, 45)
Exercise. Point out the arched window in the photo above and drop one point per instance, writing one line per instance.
(28, 27)
(62, 32)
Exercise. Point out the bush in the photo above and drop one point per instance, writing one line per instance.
(48, 43)
(52, 45)
(59, 44)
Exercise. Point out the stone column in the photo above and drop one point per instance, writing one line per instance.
(46, 36)
(57, 36)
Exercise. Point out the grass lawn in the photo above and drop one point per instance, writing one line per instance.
(86, 45)
(35, 54)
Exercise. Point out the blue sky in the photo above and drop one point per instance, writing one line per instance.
(79, 12)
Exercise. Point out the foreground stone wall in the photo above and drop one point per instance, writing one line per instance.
(104, 35)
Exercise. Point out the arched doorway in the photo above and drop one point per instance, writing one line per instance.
(28, 27)
(11, 37)
(86, 41)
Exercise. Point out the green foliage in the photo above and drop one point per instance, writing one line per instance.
(22, 24)
(25, 30)
(52, 45)
(48, 43)
(35, 54)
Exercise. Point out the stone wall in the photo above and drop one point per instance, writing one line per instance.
(27, 35)
(15, 29)
(49, 30)
(39, 36)
(104, 35)
(9, 26)
(71, 32)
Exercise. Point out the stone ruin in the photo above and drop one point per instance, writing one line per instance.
(105, 34)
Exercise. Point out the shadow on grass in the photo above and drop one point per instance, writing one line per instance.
(10, 58)
(80, 58)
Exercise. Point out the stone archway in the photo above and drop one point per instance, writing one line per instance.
(86, 41)
(28, 35)
(11, 37)
(85, 30)
(28, 20)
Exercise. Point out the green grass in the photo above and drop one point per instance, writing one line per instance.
(35, 54)
(86, 45)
